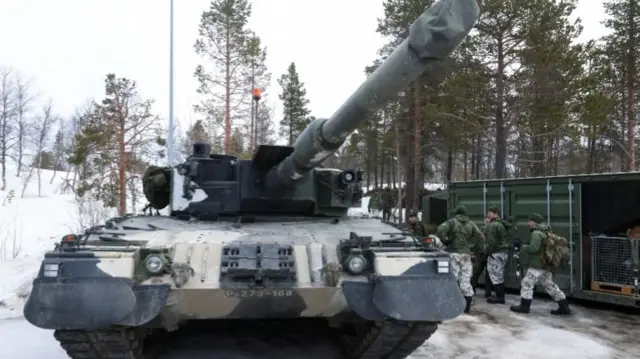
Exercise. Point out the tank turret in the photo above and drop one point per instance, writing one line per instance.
(289, 180)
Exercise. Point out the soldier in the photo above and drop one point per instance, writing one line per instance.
(417, 228)
(387, 204)
(375, 203)
(461, 235)
(498, 241)
(480, 264)
(537, 272)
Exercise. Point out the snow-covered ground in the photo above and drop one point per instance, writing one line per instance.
(490, 332)
(31, 225)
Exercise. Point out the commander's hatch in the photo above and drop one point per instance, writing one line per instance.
(268, 156)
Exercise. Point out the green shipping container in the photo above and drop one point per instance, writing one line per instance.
(593, 212)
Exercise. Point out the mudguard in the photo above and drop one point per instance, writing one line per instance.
(93, 303)
(418, 294)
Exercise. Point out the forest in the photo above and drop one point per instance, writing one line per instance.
(521, 97)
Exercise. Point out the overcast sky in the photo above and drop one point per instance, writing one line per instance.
(67, 46)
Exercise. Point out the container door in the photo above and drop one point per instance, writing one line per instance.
(558, 202)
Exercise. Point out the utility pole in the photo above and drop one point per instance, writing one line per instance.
(170, 144)
(257, 95)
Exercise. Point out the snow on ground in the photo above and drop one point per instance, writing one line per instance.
(363, 211)
(490, 332)
(30, 225)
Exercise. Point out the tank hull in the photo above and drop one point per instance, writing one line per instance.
(87, 292)
(395, 309)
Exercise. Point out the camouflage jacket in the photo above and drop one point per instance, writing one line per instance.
(418, 229)
(375, 202)
(534, 248)
(497, 235)
(387, 199)
(460, 235)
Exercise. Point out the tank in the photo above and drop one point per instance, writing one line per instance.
(261, 244)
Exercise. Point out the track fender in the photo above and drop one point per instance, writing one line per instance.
(418, 294)
(84, 297)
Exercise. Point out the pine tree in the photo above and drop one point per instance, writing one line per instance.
(294, 103)
(398, 16)
(222, 41)
(624, 45)
(115, 135)
(258, 77)
(501, 30)
(197, 133)
(265, 131)
(595, 103)
(237, 143)
(59, 151)
(551, 66)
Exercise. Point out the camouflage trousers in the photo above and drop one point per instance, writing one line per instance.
(462, 270)
(386, 214)
(545, 278)
(495, 266)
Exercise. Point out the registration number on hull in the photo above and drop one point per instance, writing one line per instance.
(251, 293)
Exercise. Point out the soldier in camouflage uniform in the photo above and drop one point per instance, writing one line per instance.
(498, 243)
(480, 264)
(387, 204)
(461, 235)
(375, 203)
(416, 227)
(537, 271)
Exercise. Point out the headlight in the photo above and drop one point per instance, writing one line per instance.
(154, 263)
(443, 266)
(356, 264)
(51, 270)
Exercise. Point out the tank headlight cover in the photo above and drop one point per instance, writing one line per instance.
(154, 263)
(51, 270)
(443, 266)
(356, 264)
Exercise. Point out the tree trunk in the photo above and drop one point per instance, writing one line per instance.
(122, 169)
(449, 170)
(418, 185)
(227, 102)
(631, 126)
(501, 140)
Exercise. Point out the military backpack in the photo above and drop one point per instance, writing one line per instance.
(555, 250)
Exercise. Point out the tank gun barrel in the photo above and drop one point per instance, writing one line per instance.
(432, 38)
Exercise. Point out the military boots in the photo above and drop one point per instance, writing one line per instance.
(524, 307)
(563, 308)
(499, 297)
(467, 308)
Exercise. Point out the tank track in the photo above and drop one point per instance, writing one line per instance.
(112, 343)
(391, 340)
(378, 340)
